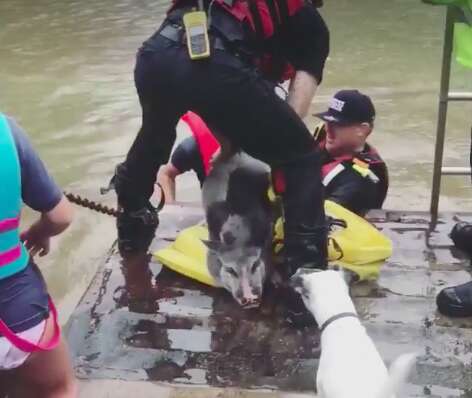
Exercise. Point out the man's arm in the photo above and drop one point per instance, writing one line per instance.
(37, 237)
(185, 157)
(166, 178)
(301, 91)
(352, 191)
(305, 44)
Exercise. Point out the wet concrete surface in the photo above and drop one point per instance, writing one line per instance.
(143, 322)
(125, 389)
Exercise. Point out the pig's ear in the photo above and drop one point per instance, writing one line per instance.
(213, 245)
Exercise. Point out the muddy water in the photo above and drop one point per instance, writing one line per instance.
(66, 75)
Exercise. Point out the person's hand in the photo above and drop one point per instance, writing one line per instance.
(36, 241)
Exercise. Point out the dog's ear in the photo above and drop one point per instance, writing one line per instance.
(296, 282)
(213, 245)
(297, 279)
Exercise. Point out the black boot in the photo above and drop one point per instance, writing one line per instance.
(461, 235)
(305, 230)
(137, 219)
(456, 301)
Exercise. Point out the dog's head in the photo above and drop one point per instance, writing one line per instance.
(316, 286)
(242, 270)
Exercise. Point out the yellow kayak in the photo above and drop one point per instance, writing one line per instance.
(358, 247)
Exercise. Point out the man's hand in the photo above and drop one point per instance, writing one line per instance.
(35, 240)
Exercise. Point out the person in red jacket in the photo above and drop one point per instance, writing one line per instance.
(353, 173)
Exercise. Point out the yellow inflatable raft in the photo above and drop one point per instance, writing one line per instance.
(357, 246)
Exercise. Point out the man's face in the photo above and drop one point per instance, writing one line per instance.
(346, 139)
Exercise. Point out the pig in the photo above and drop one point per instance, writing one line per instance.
(239, 217)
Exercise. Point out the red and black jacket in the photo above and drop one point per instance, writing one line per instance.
(358, 182)
(263, 19)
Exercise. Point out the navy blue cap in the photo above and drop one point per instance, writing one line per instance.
(349, 107)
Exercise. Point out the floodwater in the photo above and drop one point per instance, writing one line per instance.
(66, 75)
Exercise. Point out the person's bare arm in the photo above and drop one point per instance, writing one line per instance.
(309, 31)
(37, 237)
(301, 91)
(166, 177)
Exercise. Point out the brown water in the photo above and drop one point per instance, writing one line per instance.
(66, 75)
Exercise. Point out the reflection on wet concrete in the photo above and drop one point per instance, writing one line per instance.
(145, 322)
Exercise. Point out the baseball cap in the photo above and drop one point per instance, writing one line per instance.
(349, 107)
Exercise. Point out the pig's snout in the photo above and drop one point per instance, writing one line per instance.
(248, 303)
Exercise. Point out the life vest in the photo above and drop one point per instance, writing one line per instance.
(274, 69)
(207, 143)
(367, 163)
(13, 255)
(264, 18)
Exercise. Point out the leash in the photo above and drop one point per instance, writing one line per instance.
(103, 209)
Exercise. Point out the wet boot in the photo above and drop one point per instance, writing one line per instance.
(305, 229)
(137, 219)
(461, 235)
(456, 301)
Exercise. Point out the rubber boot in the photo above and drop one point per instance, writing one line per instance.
(305, 230)
(137, 219)
(456, 301)
(461, 235)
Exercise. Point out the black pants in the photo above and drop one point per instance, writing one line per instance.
(227, 93)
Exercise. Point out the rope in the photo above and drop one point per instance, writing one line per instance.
(101, 208)
(90, 204)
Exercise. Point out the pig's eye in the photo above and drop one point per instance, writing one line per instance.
(255, 266)
(231, 271)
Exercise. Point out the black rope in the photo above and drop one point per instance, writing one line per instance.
(91, 204)
(101, 208)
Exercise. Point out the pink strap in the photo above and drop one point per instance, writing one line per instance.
(10, 255)
(9, 224)
(27, 346)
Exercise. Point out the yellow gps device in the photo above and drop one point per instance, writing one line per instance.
(196, 30)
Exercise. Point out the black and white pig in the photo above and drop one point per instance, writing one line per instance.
(240, 222)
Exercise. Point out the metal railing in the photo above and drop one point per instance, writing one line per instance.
(445, 96)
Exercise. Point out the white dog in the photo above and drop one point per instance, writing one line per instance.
(350, 365)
